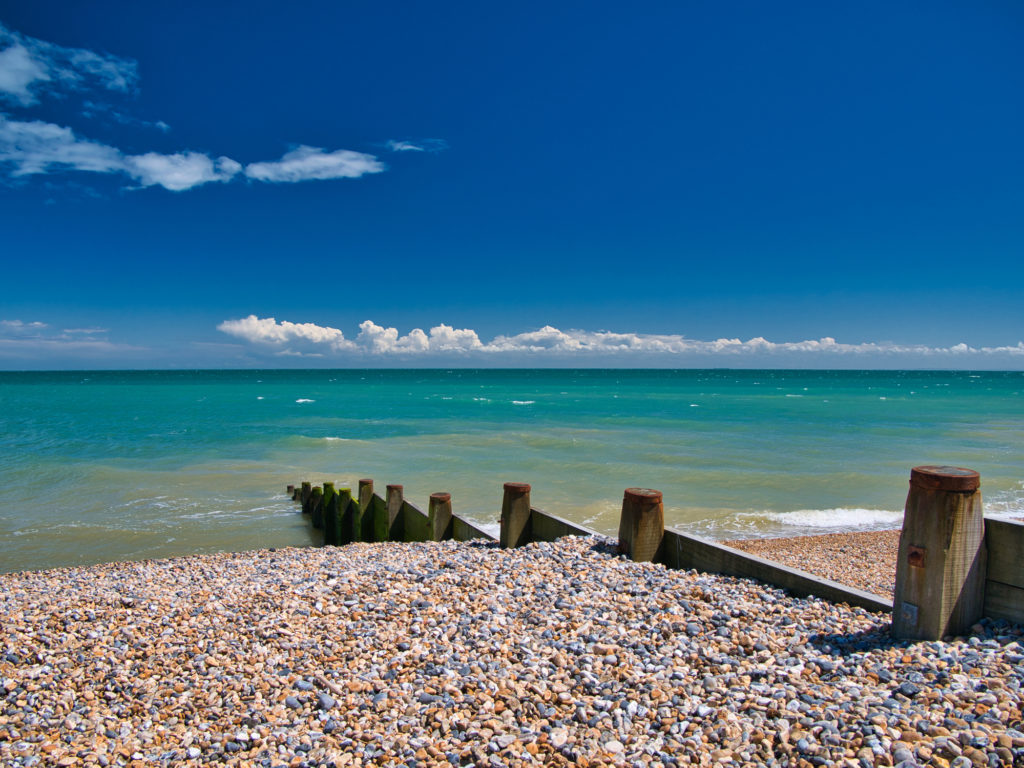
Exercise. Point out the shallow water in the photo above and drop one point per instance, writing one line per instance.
(104, 466)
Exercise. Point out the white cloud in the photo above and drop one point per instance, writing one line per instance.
(268, 331)
(36, 147)
(86, 331)
(34, 344)
(443, 338)
(180, 171)
(28, 65)
(18, 71)
(550, 342)
(417, 145)
(19, 326)
(312, 163)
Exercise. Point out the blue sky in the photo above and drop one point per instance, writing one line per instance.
(795, 184)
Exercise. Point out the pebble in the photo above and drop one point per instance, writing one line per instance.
(448, 653)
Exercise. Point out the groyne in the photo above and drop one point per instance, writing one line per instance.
(937, 594)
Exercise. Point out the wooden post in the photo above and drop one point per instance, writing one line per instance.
(390, 529)
(641, 524)
(330, 514)
(515, 515)
(316, 507)
(304, 492)
(345, 513)
(440, 514)
(940, 572)
(365, 526)
(290, 490)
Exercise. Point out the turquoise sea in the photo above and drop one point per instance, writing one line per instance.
(101, 466)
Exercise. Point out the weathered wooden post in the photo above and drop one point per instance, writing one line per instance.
(515, 516)
(345, 512)
(304, 493)
(390, 528)
(940, 573)
(365, 525)
(316, 507)
(642, 524)
(440, 514)
(330, 514)
(291, 491)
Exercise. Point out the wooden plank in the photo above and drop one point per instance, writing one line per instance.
(682, 550)
(1005, 542)
(1003, 601)
(415, 524)
(464, 530)
(379, 518)
(548, 527)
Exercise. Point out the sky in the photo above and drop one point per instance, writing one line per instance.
(654, 184)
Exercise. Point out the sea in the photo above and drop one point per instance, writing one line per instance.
(120, 465)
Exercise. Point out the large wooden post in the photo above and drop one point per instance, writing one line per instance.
(440, 515)
(330, 514)
(515, 515)
(364, 526)
(316, 507)
(940, 573)
(391, 529)
(345, 510)
(642, 524)
(304, 492)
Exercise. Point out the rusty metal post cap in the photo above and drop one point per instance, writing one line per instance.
(442, 497)
(517, 487)
(939, 478)
(643, 495)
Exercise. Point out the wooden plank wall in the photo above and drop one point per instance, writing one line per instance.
(1004, 586)
(685, 551)
(1004, 578)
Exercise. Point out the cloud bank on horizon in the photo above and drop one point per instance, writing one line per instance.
(31, 69)
(312, 340)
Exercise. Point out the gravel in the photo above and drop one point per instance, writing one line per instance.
(461, 653)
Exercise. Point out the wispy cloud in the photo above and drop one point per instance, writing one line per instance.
(29, 66)
(35, 342)
(93, 109)
(20, 326)
(35, 147)
(417, 145)
(309, 163)
(550, 342)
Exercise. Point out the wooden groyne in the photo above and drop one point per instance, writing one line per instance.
(984, 575)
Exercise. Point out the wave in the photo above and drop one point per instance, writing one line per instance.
(305, 400)
(523, 402)
(839, 518)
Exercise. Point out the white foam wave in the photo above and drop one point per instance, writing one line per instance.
(838, 518)
(334, 439)
(523, 402)
(305, 400)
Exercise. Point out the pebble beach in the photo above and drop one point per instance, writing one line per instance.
(452, 653)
